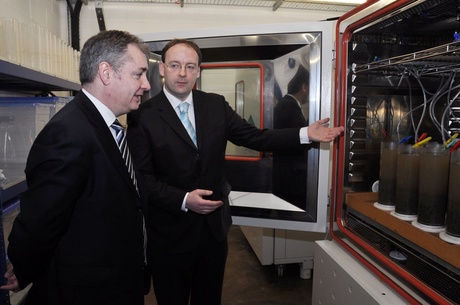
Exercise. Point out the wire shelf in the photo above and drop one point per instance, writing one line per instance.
(434, 60)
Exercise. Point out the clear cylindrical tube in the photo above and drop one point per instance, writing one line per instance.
(387, 178)
(453, 205)
(433, 186)
(407, 182)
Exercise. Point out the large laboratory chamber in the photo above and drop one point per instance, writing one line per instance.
(280, 199)
(395, 172)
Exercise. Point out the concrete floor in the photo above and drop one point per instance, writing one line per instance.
(247, 282)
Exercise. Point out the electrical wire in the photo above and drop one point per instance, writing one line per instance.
(430, 100)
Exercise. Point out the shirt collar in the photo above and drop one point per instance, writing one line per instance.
(105, 112)
(175, 101)
(298, 103)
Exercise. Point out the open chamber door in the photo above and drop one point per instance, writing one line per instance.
(396, 59)
(281, 190)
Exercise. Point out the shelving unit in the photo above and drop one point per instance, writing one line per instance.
(16, 78)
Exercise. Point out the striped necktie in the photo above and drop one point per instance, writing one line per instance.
(122, 145)
(183, 110)
(124, 150)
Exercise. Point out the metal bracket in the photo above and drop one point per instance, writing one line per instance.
(100, 15)
(277, 4)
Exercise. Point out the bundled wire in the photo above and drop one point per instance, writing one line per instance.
(430, 101)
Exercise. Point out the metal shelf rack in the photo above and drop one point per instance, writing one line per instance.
(437, 59)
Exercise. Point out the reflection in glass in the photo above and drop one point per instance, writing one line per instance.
(239, 98)
(241, 88)
(254, 89)
(290, 167)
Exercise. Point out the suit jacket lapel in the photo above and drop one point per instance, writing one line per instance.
(169, 115)
(106, 139)
(200, 117)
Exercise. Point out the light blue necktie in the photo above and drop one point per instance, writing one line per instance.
(183, 109)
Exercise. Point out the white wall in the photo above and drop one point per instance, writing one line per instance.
(50, 14)
(147, 19)
(152, 18)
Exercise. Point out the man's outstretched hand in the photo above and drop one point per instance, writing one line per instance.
(319, 133)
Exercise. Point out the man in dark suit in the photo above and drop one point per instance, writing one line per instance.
(188, 209)
(290, 166)
(79, 236)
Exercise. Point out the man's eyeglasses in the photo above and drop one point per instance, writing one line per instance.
(177, 67)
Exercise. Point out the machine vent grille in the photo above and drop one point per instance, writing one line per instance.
(443, 279)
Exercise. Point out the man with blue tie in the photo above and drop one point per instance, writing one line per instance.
(188, 209)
